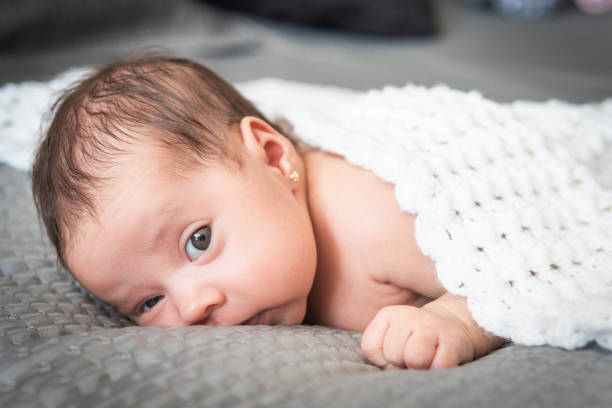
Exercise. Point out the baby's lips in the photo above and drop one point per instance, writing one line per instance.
(258, 319)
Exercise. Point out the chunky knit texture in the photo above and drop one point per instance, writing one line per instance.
(513, 201)
(507, 207)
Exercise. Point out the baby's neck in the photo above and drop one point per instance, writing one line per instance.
(331, 184)
(319, 210)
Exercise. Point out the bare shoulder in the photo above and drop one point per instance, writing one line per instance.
(360, 210)
(361, 195)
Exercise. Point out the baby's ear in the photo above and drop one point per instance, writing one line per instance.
(264, 142)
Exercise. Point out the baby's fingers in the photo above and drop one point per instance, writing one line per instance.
(395, 341)
(420, 349)
(372, 342)
(452, 351)
(445, 358)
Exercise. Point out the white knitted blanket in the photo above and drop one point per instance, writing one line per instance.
(513, 201)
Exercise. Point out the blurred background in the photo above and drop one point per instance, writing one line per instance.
(507, 49)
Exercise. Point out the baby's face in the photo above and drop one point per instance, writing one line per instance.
(218, 245)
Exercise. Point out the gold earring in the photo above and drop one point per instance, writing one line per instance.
(294, 176)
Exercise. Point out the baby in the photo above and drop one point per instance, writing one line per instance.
(168, 195)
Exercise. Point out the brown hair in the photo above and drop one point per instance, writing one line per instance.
(184, 106)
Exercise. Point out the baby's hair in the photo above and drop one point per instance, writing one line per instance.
(176, 104)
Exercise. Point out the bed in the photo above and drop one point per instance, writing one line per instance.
(60, 347)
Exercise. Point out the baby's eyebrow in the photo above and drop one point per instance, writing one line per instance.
(119, 298)
(152, 241)
(121, 305)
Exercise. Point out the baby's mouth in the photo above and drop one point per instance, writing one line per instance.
(258, 319)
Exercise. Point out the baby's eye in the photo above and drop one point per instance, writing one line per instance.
(149, 304)
(199, 242)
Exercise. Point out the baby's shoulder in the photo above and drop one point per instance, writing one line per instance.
(349, 193)
(367, 254)
(356, 212)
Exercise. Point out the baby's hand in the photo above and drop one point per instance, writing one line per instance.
(406, 336)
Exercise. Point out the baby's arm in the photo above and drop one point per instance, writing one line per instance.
(440, 334)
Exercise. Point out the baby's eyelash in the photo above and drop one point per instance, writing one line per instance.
(154, 299)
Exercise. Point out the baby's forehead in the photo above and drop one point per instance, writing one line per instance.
(147, 158)
(147, 152)
(147, 163)
(142, 176)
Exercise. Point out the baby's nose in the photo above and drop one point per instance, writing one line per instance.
(196, 306)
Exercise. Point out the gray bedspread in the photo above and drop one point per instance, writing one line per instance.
(59, 347)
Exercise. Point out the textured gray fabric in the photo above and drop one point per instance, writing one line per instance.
(61, 348)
